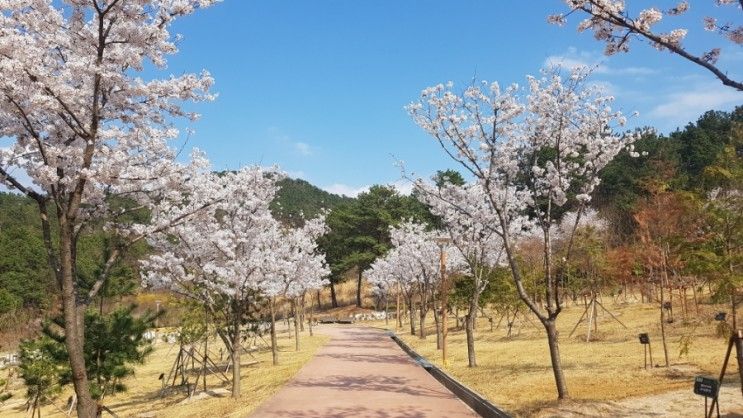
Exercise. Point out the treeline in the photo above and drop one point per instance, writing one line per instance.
(682, 192)
(672, 179)
(669, 219)
(682, 169)
(359, 232)
(26, 282)
(298, 200)
(697, 159)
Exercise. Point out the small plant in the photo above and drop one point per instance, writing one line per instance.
(42, 363)
(113, 343)
(4, 383)
(685, 345)
(723, 329)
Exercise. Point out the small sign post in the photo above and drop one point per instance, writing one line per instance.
(736, 340)
(709, 388)
(645, 341)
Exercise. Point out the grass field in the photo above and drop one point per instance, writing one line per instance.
(145, 398)
(515, 372)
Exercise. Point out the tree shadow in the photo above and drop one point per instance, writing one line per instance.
(357, 412)
(369, 358)
(373, 383)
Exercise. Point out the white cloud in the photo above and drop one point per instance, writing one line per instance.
(688, 102)
(287, 141)
(632, 71)
(297, 174)
(572, 58)
(345, 190)
(604, 86)
(303, 148)
(404, 187)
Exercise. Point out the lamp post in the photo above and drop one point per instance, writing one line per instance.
(443, 241)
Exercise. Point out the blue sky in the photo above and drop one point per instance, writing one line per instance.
(318, 87)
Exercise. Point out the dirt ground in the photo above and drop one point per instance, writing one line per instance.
(673, 404)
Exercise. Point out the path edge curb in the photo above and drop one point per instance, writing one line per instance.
(473, 399)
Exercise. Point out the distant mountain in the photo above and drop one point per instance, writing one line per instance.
(297, 199)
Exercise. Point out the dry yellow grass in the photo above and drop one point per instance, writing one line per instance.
(515, 373)
(346, 293)
(259, 382)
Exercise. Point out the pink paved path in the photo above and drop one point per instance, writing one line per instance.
(362, 373)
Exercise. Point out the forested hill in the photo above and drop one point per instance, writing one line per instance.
(297, 199)
(24, 273)
(689, 163)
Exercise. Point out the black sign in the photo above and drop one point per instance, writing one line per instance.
(720, 316)
(644, 338)
(706, 386)
(667, 306)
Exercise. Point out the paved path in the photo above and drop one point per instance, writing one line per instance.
(362, 373)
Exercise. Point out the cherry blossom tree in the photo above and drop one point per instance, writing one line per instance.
(226, 257)
(305, 269)
(480, 247)
(395, 267)
(413, 266)
(417, 249)
(384, 284)
(612, 24)
(84, 126)
(534, 157)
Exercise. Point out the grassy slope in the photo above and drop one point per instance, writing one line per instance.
(259, 382)
(515, 372)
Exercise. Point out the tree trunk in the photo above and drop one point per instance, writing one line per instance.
(397, 308)
(662, 301)
(663, 325)
(285, 318)
(470, 330)
(734, 305)
(411, 311)
(533, 304)
(739, 354)
(74, 320)
(333, 298)
(422, 323)
(236, 348)
(319, 305)
(456, 316)
(444, 303)
(552, 340)
(296, 325)
(437, 321)
(386, 310)
(312, 311)
(301, 313)
(358, 288)
(274, 349)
